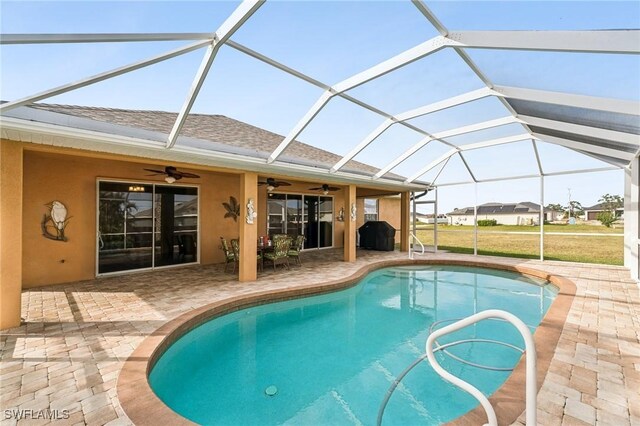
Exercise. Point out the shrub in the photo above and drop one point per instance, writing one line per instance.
(487, 222)
(607, 218)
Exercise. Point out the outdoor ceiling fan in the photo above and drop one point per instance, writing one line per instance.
(273, 184)
(172, 174)
(325, 189)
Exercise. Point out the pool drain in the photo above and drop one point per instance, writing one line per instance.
(271, 390)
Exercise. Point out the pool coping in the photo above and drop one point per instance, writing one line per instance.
(143, 406)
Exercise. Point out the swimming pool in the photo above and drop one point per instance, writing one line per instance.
(331, 358)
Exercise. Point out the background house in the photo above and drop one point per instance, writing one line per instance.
(524, 213)
(591, 213)
(429, 218)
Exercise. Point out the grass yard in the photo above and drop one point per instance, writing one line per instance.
(588, 249)
(590, 229)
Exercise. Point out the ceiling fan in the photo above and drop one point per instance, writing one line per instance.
(273, 184)
(325, 188)
(172, 174)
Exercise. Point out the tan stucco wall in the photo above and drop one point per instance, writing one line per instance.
(72, 180)
(11, 172)
(389, 211)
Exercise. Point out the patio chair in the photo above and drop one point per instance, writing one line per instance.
(277, 237)
(235, 246)
(296, 248)
(229, 256)
(280, 253)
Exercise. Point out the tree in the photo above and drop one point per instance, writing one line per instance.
(610, 203)
(555, 207)
(574, 209)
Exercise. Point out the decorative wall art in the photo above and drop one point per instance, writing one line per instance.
(232, 208)
(251, 212)
(353, 212)
(55, 220)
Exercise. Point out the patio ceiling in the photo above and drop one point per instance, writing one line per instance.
(602, 128)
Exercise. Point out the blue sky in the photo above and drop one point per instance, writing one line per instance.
(331, 41)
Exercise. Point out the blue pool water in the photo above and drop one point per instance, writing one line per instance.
(332, 358)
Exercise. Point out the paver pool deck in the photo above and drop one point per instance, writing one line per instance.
(76, 337)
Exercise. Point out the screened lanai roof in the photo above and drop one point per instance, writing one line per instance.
(386, 84)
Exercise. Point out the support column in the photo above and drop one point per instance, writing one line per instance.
(248, 231)
(632, 218)
(10, 233)
(405, 199)
(475, 222)
(350, 224)
(542, 216)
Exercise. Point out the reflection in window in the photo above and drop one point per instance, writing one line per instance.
(145, 226)
(296, 214)
(370, 209)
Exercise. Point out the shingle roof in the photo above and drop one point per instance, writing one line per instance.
(499, 208)
(599, 206)
(214, 128)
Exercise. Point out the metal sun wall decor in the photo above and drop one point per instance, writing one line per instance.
(56, 219)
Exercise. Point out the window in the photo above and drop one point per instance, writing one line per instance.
(370, 209)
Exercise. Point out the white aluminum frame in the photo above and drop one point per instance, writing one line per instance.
(444, 134)
(101, 77)
(226, 30)
(615, 41)
(398, 61)
(579, 129)
(99, 38)
(602, 41)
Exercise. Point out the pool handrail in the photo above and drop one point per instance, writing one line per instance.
(530, 350)
(411, 251)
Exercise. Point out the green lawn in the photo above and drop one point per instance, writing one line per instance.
(588, 249)
(592, 229)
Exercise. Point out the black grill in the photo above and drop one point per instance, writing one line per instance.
(377, 235)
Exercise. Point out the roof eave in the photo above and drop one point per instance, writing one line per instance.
(145, 144)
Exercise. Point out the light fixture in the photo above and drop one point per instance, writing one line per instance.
(136, 188)
(169, 179)
(325, 192)
(270, 188)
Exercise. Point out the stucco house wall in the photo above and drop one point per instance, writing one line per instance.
(72, 180)
(502, 219)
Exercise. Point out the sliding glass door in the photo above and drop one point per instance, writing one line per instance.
(295, 214)
(142, 226)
